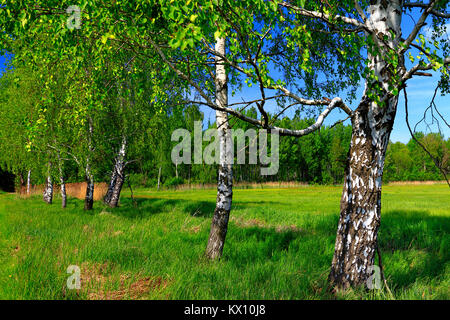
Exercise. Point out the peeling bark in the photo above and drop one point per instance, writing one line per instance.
(89, 199)
(112, 183)
(356, 240)
(219, 223)
(118, 176)
(48, 189)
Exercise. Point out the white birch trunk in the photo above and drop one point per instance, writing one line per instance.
(219, 223)
(29, 182)
(356, 240)
(118, 174)
(48, 189)
(63, 183)
(159, 177)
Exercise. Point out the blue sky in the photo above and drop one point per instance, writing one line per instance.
(420, 91)
(2, 64)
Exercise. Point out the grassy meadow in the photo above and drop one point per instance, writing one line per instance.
(279, 245)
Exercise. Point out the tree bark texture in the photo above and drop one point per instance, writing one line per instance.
(360, 208)
(112, 183)
(48, 189)
(62, 182)
(118, 176)
(221, 215)
(63, 191)
(89, 199)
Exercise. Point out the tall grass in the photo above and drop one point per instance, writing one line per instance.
(76, 190)
(279, 245)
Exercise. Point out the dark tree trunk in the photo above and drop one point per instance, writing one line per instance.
(89, 199)
(117, 178)
(356, 240)
(112, 183)
(21, 180)
(117, 189)
(219, 223)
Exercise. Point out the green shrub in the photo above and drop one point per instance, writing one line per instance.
(173, 182)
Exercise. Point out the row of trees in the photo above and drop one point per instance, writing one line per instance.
(47, 136)
(111, 74)
(317, 158)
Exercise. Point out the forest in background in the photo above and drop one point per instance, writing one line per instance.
(96, 91)
(318, 158)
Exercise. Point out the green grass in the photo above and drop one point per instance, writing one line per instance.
(279, 245)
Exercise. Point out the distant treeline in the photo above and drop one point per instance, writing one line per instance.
(316, 158)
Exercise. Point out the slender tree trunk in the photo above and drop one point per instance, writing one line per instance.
(29, 182)
(63, 191)
(117, 189)
(159, 177)
(219, 223)
(356, 240)
(89, 199)
(48, 190)
(119, 169)
(63, 183)
(112, 183)
(189, 177)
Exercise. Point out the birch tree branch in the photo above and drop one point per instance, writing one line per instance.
(418, 26)
(325, 17)
(423, 6)
(410, 73)
(332, 104)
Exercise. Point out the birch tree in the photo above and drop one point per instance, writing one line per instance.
(322, 51)
(374, 32)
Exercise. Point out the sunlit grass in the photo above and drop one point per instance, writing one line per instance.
(279, 245)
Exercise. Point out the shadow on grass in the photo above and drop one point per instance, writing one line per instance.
(148, 206)
(258, 243)
(414, 244)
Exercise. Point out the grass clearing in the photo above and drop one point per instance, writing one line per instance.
(279, 245)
